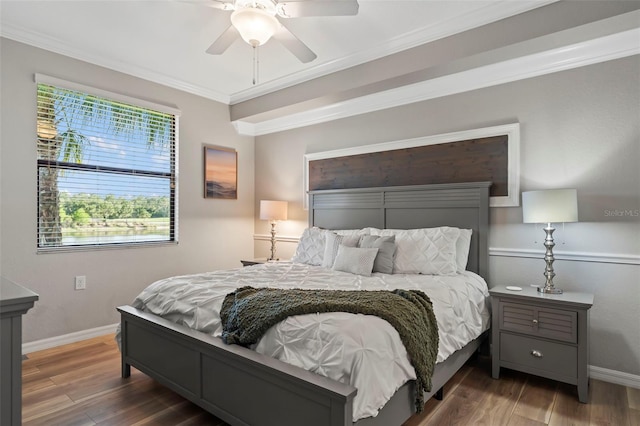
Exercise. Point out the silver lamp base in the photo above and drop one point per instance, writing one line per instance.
(273, 241)
(549, 290)
(549, 273)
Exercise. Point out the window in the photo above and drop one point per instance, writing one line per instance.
(106, 168)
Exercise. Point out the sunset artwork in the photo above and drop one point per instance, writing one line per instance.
(220, 173)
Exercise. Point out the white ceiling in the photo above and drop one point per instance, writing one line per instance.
(165, 41)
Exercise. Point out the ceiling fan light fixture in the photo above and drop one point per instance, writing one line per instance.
(256, 26)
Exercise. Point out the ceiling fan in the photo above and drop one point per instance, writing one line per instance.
(257, 21)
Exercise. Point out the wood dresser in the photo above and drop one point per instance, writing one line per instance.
(15, 301)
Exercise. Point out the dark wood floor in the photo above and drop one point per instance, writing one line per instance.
(80, 384)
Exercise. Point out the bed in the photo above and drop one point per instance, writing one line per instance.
(244, 387)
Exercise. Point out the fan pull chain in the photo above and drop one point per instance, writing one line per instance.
(256, 65)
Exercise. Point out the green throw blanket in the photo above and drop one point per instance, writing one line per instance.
(249, 312)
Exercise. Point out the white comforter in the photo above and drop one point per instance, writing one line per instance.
(362, 350)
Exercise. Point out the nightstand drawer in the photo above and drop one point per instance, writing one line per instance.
(539, 356)
(539, 321)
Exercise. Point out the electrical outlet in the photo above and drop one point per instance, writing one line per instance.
(81, 282)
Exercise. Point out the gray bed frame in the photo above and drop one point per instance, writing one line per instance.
(245, 388)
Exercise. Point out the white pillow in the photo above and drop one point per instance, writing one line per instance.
(463, 244)
(359, 232)
(429, 251)
(310, 248)
(355, 260)
(332, 242)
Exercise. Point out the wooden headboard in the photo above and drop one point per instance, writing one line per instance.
(463, 205)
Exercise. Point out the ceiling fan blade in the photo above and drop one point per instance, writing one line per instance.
(294, 45)
(295, 9)
(216, 4)
(223, 42)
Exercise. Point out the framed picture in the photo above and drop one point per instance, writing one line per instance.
(220, 172)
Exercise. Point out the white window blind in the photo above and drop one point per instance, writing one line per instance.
(106, 169)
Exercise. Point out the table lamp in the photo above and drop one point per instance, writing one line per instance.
(273, 211)
(548, 206)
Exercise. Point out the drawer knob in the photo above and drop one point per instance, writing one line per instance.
(536, 353)
(535, 321)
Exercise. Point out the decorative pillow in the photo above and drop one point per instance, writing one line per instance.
(463, 244)
(310, 248)
(386, 251)
(430, 251)
(355, 260)
(332, 242)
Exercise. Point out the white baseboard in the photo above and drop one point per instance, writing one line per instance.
(52, 342)
(613, 376)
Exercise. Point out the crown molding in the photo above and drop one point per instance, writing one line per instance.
(57, 46)
(614, 46)
(485, 15)
(490, 13)
(581, 54)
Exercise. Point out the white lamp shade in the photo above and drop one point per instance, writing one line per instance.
(255, 26)
(550, 206)
(273, 210)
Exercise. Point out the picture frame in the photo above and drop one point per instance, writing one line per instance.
(220, 166)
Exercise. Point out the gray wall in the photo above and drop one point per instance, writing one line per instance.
(579, 129)
(213, 234)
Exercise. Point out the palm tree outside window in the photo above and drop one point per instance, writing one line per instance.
(106, 168)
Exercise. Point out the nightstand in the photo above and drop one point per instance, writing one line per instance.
(542, 334)
(253, 262)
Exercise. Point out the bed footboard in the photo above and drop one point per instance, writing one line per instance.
(234, 383)
(243, 387)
